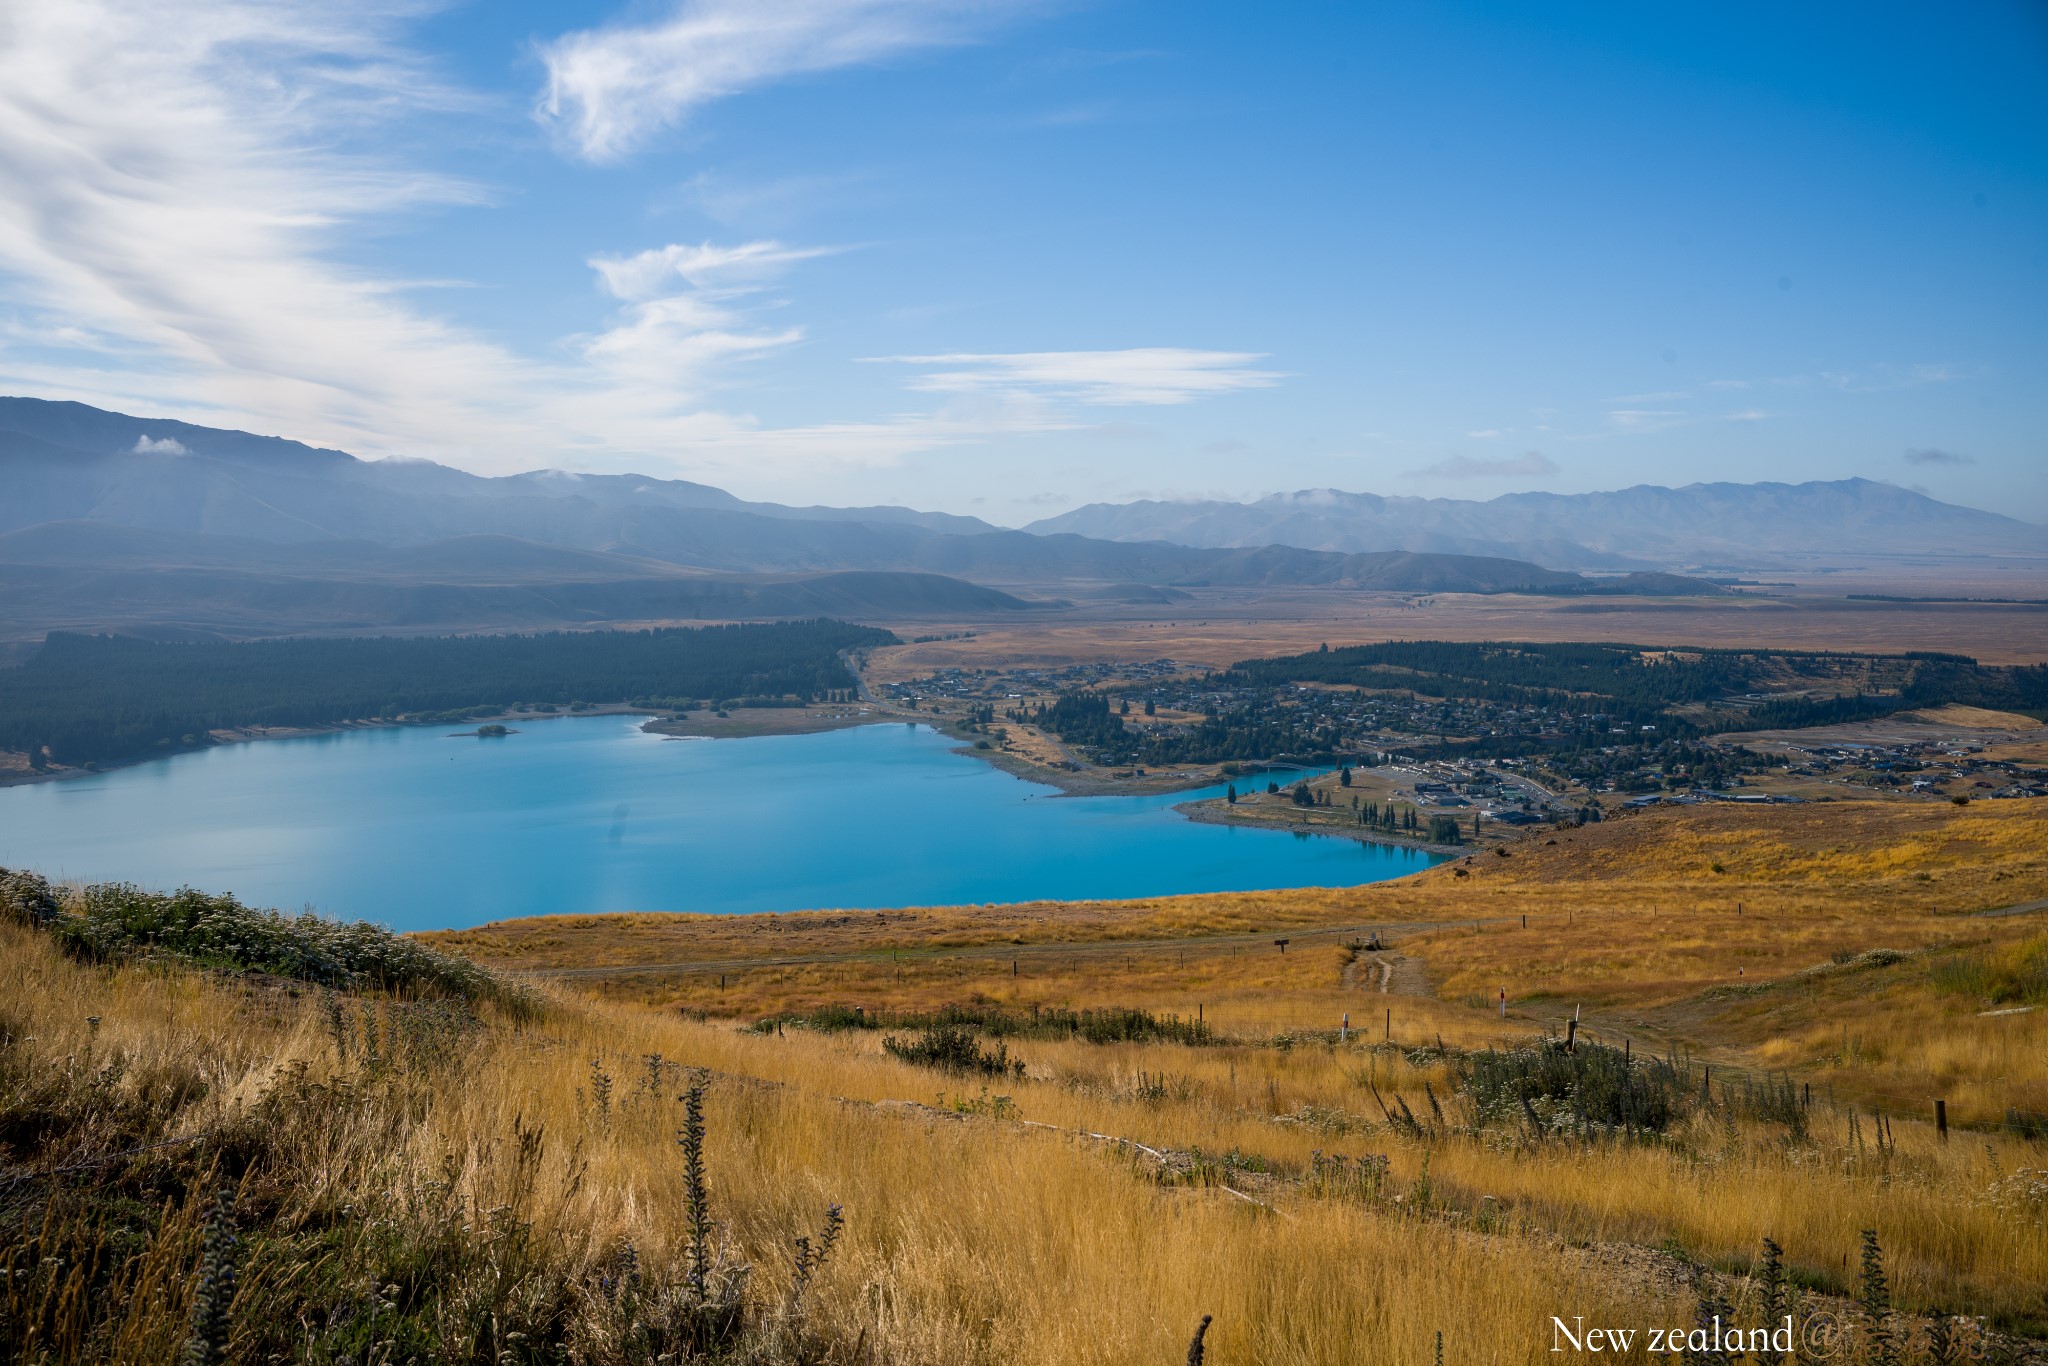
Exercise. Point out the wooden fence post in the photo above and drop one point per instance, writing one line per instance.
(1941, 1119)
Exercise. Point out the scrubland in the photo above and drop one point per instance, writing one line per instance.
(434, 1166)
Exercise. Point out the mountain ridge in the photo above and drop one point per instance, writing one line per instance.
(1722, 524)
(166, 523)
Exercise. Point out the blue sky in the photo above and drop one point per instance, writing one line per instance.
(1006, 258)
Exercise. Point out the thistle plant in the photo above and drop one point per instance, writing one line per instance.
(695, 1193)
(601, 1092)
(207, 1343)
(1709, 1315)
(1874, 1296)
(810, 1257)
(1776, 1302)
(337, 1026)
(1941, 1339)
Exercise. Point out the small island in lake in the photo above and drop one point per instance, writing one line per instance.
(489, 731)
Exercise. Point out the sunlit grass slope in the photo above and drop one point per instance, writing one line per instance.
(448, 1168)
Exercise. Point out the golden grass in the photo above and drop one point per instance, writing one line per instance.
(1697, 929)
(985, 1226)
(1646, 921)
(986, 1239)
(1218, 627)
(968, 1241)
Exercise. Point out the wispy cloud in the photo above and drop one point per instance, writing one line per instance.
(173, 181)
(1529, 465)
(611, 89)
(151, 445)
(1876, 379)
(170, 178)
(1141, 375)
(684, 311)
(706, 267)
(1646, 419)
(1931, 456)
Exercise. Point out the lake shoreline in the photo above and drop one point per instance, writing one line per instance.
(404, 826)
(1085, 783)
(1206, 813)
(241, 735)
(743, 724)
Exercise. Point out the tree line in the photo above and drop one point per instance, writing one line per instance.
(92, 697)
(1086, 719)
(1639, 686)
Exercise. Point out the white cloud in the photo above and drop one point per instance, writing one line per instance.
(612, 89)
(170, 179)
(1876, 379)
(1646, 419)
(150, 445)
(174, 182)
(1746, 415)
(1141, 375)
(705, 267)
(683, 312)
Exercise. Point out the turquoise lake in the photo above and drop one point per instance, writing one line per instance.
(417, 829)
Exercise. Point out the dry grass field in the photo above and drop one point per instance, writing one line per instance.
(460, 1180)
(1216, 627)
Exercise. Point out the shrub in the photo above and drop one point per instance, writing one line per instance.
(1556, 1089)
(28, 899)
(1109, 1024)
(111, 921)
(951, 1048)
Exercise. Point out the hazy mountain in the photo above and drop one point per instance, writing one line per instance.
(62, 461)
(1699, 525)
(108, 520)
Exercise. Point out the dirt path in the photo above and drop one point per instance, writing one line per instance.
(1416, 981)
(1390, 973)
(1088, 949)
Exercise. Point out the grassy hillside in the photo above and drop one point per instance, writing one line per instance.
(461, 1175)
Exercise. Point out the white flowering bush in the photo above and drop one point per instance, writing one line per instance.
(113, 920)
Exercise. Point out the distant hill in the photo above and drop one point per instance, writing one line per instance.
(225, 604)
(1721, 525)
(115, 521)
(66, 461)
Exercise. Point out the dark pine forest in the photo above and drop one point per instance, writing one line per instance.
(84, 698)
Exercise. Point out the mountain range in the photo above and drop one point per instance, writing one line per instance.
(109, 520)
(1701, 526)
(113, 520)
